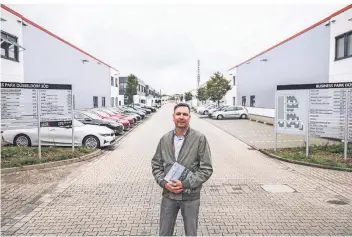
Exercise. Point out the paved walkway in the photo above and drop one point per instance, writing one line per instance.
(116, 194)
(262, 135)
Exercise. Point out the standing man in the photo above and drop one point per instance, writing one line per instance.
(190, 149)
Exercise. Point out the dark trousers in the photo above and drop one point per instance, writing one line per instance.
(168, 215)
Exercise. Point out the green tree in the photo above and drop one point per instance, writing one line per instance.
(202, 94)
(217, 87)
(188, 96)
(131, 90)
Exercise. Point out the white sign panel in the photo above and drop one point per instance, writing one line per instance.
(291, 111)
(20, 101)
(321, 107)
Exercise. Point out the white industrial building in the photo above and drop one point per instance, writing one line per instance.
(319, 54)
(30, 53)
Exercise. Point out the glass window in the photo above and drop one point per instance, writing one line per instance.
(349, 45)
(243, 101)
(79, 116)
(252, 101)
(340, 49)
(103, 101)
(95, 101)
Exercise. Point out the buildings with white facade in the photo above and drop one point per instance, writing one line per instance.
(32, 54)
(11, 47)
(319, 54)
(145, 93)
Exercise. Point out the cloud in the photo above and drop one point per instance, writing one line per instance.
(161, 43)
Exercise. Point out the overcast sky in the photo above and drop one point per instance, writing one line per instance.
(161, 43)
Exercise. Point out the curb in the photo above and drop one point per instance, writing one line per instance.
(258, 121)
(270, 155)
(68, 161)
(304, 163)
(52, 164)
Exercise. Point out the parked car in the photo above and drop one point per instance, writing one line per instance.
(92, 119)
(221, 107)
(128, 109)
(146, 107)
(231, 112)
(120, 116)
(205, 109)
(147, 111)
(125, 123)
(117, 111)
(91, 136)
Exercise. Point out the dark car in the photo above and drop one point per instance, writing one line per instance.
(92, 119)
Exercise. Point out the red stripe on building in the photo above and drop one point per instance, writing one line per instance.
(52, 34)
(298, 34)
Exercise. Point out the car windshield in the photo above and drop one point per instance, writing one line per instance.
(101, 113)
(91, 115)
(107, 112)
(77, 123)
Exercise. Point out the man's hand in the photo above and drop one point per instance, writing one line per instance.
(174, 186)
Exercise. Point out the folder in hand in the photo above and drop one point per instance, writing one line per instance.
(177, 172)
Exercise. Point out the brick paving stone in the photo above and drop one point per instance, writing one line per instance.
(116, 194)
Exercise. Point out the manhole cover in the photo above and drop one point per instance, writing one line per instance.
(337, 202)
(278, 188)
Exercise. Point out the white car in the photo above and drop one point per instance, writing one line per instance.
(205, 110)
(231, 112)
(91, 136)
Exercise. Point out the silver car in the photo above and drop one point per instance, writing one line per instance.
(231, 112)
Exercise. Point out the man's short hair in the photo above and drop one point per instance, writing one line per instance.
(182, 105)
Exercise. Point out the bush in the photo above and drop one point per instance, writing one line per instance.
(20, 156)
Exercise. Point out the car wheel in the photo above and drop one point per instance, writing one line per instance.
(22, 140)
(205, 112)
(243, 116)
(91, 142)
(220, 116)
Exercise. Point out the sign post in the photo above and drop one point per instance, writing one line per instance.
(307, 126)
(73, 123)
(39, 137)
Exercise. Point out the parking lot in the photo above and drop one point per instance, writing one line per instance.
(260, 135)
(116, 194)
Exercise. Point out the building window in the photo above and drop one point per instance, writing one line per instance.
(233, 100)
(103, 101)
(252, 101)
(9, 46)
(243, 101)
(112, 81)
(116, 83)
(343, 46)
(95, 101)
(112, 101)
(234, 80)
(116, 99)
(120, 102)
(74, 102)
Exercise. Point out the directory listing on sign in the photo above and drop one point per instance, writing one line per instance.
(21, 103)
